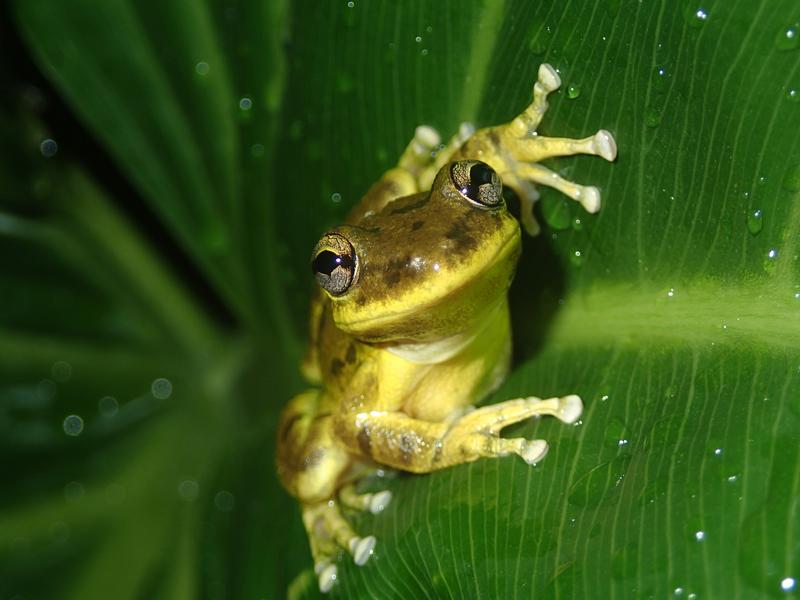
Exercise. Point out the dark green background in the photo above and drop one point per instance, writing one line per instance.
(168, 238)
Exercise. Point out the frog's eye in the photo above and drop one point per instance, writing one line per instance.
(477, 182)
(334, 263)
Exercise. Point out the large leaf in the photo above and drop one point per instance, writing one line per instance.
(674, 312)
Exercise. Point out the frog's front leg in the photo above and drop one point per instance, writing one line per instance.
(400, 441)
(514, 148)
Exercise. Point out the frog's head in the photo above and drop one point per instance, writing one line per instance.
(427, 266)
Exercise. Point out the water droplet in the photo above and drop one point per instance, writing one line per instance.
(202, 68)
(695, 16)
(700, 536)
(108, 406)
(573, 91)
(671, 292)
(246, 103)
(788, 38)
(424, 52)
(539, 38)
(257, 150)
(336, 197)
(351, 4)
(678, 591)
(224, 501)
(612, 6)
(755, 221)
(576, 258)
(660, 79)
(74, 491)
(48, 147)
(61, 371)
(717, 451)
(788, 584)
(616, 433)
(188, 490)
(791, 181)
(73, 425)
(652, 117)
(577, 224)
(418, 39)
(793, 95)
(161, 388)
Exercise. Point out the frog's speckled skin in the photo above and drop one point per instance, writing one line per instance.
(421, 331)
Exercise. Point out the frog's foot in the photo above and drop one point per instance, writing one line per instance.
(445, 154)
(373, 503)
(514, 149)
(476, 434)
(419, 153)
(329, 532)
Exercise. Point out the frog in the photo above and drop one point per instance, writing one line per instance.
(410, 327)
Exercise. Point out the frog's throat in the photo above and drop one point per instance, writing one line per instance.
(431, 353)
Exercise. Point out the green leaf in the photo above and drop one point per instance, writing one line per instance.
(247, 128)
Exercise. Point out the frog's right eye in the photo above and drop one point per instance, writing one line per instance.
(477, 182)
(334, 264)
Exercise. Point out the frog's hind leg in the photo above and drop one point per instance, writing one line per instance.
(514, 148)
(328, 532)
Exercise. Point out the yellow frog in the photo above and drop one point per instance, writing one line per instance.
(411, 326)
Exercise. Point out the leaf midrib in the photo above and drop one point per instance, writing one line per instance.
(755, 314)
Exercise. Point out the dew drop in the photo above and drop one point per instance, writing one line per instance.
(202, 68)
(245, 103)
(351, 4)
(695, 17)
(788, 584)
(671, 292)
(793, 95)
(108, 406)
(257, 150)
(755, 221)
(188, 490)
(48, 148)
(576, 258)
(699, 535)
(161, 388)
(418, 39)
(770, 260)
(336, 197)
(573, 91)
(788, 38)
(660, 78)
(577, 224)
(73, 425)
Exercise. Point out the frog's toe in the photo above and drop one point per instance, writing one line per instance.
(590, 199)
(465, 131)
(533, 451)
(427, 137)
(361, 549)
(548, 78)
(604, 145)
(326, 576)
(570, 408)
(379, 501)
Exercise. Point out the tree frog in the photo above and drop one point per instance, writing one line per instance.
(410, 327)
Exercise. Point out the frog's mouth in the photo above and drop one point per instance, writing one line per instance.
(387, 325)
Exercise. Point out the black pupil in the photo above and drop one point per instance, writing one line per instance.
(326, 261)
(479, 174)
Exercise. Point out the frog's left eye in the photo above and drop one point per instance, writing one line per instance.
(334, 263)
(477, 182)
